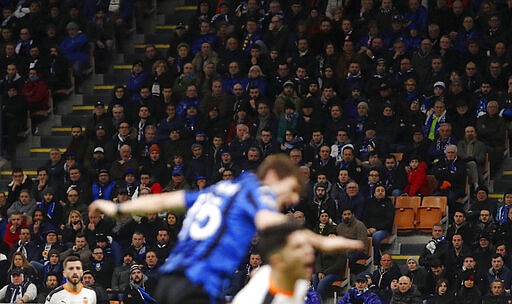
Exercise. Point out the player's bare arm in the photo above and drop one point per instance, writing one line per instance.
(147, 203)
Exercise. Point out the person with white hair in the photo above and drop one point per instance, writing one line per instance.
(19, 291)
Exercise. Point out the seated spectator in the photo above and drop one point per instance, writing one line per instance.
(75, 47)
(394, 178)
(103, 188)
(74, 226)
(55, 169)
(436, 248)
(491, 128)
(419, 276)
(89, 280)
(20, 290)
(325, 225)
(12, 231)
(481, 201)
(53, 265)
(483, 253)
(101, 267)
(25, 205)
(20, 263)
(353, 200)
(25, 245)
(472, 151)
(102, 36)
(56, 74)
(225, 163)
(406, 292)
(147, 182)
(322, 202)
(352, 228)
(455, 255)
(434, 120)
(416, 177)
(14, 118)
(125, 164)
(186, 78)
(96, 225)
(79, 182)
(442, 139)
(173, 225)
(469, 264)
(36, 93)
(460, 225)
(378, 218)
(199, 164)
(80, 248)
(121, 276)
(52, 281)
(443, 293)
(373, 181)
(469, 292)
(497, 271)
(72, 202)
(450, 173)
(163, 244)
(497, 293)
(360, 293)
(177, 181)
(19, 181)
(138, 280)
(484, 224)
(50, 207)
(382, 277)
(503, 208)
(151, 265)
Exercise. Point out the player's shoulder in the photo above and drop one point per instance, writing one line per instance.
(54, 292)
(88, 289)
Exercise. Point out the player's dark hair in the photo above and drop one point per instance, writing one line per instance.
(282, 166)
(71, 258)
(275, 237)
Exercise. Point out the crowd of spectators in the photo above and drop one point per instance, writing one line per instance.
(340, 86)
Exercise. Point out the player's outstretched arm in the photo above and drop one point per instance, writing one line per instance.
(333, 244)
(144, 204)
(266, 218)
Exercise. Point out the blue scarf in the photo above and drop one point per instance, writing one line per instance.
(145, 296)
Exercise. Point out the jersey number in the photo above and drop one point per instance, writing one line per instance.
(207, 217)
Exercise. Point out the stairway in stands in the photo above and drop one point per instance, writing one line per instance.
(77, 108)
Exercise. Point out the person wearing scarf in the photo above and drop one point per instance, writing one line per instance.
(360, 293)
(139, 290)
(19, 291)
(52, 211)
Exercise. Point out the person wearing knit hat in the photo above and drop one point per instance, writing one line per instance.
(154, 148)
(418, 275)
(140, 288)
(469, 293)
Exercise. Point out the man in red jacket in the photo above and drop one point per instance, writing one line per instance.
(36, 93)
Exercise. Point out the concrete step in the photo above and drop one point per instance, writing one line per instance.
(29, 164)
(77, 118)
(49, 141)
(502, 185)
(119, 75)
(159, 38)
